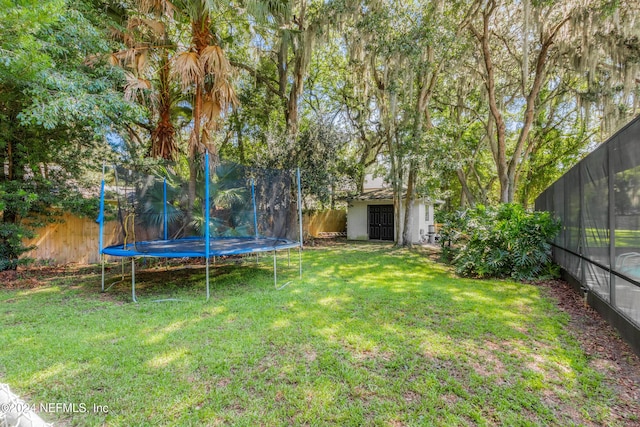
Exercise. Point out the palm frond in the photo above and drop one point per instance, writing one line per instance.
(128, 40)
(133, 23)
(210, 109)
(206, 136)
(224, 94)
(94, 59)
(157, 7)
(114, 60)
(127, 57)
(141, 60)
(156, 26)
(115, 33)
(134, 85)
(227, 197)
(187, 69)
(214, 61)
(141, 24)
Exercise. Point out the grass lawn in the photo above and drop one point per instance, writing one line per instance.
(371, 335)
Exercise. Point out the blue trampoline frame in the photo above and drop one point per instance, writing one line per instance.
(200, 247)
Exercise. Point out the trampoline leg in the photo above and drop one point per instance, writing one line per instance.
(133, 279)
(300, 259)
(275, 279)
(288, 257)
(207, 274)
(256, 258)
(102, 259)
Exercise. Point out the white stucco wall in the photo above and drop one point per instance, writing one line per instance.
(357, 217)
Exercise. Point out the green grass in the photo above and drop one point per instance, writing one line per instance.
(370, 336)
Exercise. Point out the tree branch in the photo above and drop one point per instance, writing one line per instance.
(269, 83)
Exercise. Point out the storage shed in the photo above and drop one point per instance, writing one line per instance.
(370, 216)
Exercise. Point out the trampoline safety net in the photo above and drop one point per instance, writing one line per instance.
(598, 202)
(163, 212)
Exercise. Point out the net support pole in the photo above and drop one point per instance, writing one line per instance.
(207, 276)
(165, 216)
(255, 209)
(133, 279)
(101, 225)
(207, 213)
(299, 219)
(102, 262)
(275, 277)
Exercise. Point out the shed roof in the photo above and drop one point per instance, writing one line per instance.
(376, 194)
(387, 194)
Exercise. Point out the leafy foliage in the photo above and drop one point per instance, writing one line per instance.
(323, 160)
(506, 241)
(54, 114)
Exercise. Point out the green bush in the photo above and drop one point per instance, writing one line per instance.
(506, 241)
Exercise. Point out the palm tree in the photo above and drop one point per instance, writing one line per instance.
(154, 64)
(204, 73)
(197, 62)
(146, 61)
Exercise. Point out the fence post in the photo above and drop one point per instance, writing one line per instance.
(612, 227)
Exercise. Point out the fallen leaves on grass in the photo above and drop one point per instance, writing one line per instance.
(608, 353)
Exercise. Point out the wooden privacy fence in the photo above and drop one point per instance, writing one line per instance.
(329, 221)
(75, 239)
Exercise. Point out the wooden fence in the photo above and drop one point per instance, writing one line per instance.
(329, 221)
(75, 239)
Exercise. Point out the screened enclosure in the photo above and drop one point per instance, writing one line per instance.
(598, 203)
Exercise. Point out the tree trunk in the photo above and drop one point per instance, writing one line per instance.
(466, 191)
(10, 160)
(408, 205)
(422, 121)
(163, 136)
(200, 39)
(506, 169)
(191, 197)
(240, 140)
(523, 143)
(500, 154)
(396, 185)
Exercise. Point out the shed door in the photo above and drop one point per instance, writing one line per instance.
(380, 222)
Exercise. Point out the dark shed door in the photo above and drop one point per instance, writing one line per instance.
(380, 222)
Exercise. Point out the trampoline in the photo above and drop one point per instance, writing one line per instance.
(195, 247)
(236, 211)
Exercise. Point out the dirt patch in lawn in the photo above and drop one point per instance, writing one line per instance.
(34, 277)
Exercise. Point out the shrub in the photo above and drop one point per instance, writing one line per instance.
(500, 242)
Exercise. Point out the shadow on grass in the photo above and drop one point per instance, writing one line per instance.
(370, 335)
